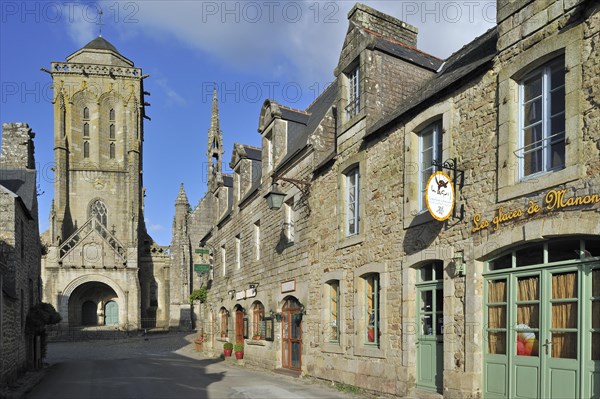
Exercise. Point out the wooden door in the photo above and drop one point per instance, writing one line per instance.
(291, 332)
(239, 326)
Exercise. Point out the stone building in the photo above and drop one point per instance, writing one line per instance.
(101, 267)
(19, 251)
(493, 293)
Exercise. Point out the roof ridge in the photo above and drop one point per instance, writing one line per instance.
(400, 43)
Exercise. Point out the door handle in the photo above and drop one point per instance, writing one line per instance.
(547, 345)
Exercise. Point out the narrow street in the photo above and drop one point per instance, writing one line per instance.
(163, 366)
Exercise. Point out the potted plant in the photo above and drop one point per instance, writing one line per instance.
(227, 348)
(239, 350)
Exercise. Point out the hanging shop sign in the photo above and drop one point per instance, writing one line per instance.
(439, 196)
(554, 200)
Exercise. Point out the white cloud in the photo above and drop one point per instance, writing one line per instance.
(173, 98)
(82, 21)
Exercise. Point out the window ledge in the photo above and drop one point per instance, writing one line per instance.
(255, 342)
(369, 351)
(350, 241)
(332, 347)
(538, 183)
(346, 125)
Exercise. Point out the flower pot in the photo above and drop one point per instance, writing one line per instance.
(227, 352)
(239, 355)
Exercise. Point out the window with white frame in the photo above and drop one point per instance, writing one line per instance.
(352, 178)
(333, 292)
(238, 251)
(224, 259)
(430, 150)
(268, 146)
(257, 240)
(542, 119)
(288, 227)
(372, 315)
(353, 106)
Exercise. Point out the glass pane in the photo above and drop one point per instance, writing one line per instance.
(439, 300)
(557, 125)
(426, 273)
(439, 270)
(532, 87)
(426, 301)
(596, 314)
(564, 315)
(439, 324)
(563, 250)
(564, 345)
(557, 155)
(527, 316)
(426, 325)
(527, 343)
(557, 76)
(592, 248)
(532, 163)
(497, 316)
(497, 291)
(596, 346)
(595, 281)
(533, 255)
(528, 288)
(532, 113)
(564, 285)
(504, 262)
(497, 343)
(557, 101)
(427, 139)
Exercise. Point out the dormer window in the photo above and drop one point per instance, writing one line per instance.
(268, 145)
(353, 105)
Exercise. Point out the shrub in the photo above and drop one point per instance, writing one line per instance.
(40, 316)
(238, 347)
(198, 295)
(227, 346)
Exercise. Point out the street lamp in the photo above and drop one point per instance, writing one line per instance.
(275, 197)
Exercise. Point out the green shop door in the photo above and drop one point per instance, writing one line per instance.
(111, 313)
(430, 313)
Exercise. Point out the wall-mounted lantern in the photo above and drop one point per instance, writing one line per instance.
(275, 197)
(459, 264)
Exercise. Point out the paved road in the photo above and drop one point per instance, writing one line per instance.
(164, 366)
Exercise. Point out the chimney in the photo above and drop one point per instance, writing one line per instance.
(387, 26)
(17, 146)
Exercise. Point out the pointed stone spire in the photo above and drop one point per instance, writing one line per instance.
(182, 198)
(214, 116)
(215, 143)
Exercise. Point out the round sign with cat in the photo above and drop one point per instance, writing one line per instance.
(439, 196)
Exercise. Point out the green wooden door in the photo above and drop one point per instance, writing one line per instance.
(111, 313)
(430, 349)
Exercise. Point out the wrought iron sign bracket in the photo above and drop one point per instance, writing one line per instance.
(458, 181)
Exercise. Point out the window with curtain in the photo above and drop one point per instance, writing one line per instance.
(542, 119)
(333, 291)
(496, 309)
(352, 201)
(372, 315)
(564, 315)
(430, 149)
(528, 316)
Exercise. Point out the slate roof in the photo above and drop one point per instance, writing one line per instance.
(405, 52)
(100, 43)
(252, 152)
(21, 182)
(458, 66)
(315, 113)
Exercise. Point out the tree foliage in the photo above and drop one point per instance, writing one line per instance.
(199, 294)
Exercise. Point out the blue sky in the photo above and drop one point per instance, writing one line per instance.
(252, 50)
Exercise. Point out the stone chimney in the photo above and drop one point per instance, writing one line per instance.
(387, 26)
(17, 146)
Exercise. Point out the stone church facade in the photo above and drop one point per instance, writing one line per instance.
(353, 280)
(101, 268)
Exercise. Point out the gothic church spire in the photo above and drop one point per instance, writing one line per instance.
(215, 141)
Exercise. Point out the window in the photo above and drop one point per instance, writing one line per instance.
(430, 150)
(269, 148)
(257, 240)
(224, 259)
(86, 149)
(352, 201)
(289, 220)
(542, 119)
(86, 113)
(372, 309)
(224, 322)
(112, 150)
(238, 251)
(98, 210)
(353, 106)
(111, 131)
(334, 311)
(86, 130)
(111, 115)
(258, 321)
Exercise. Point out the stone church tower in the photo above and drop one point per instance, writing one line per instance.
(101, 267)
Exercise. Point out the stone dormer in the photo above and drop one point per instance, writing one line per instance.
(247, 170)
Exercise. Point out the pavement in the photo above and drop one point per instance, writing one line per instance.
(143, 345)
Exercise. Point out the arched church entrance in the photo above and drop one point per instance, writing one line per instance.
(90, 305)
